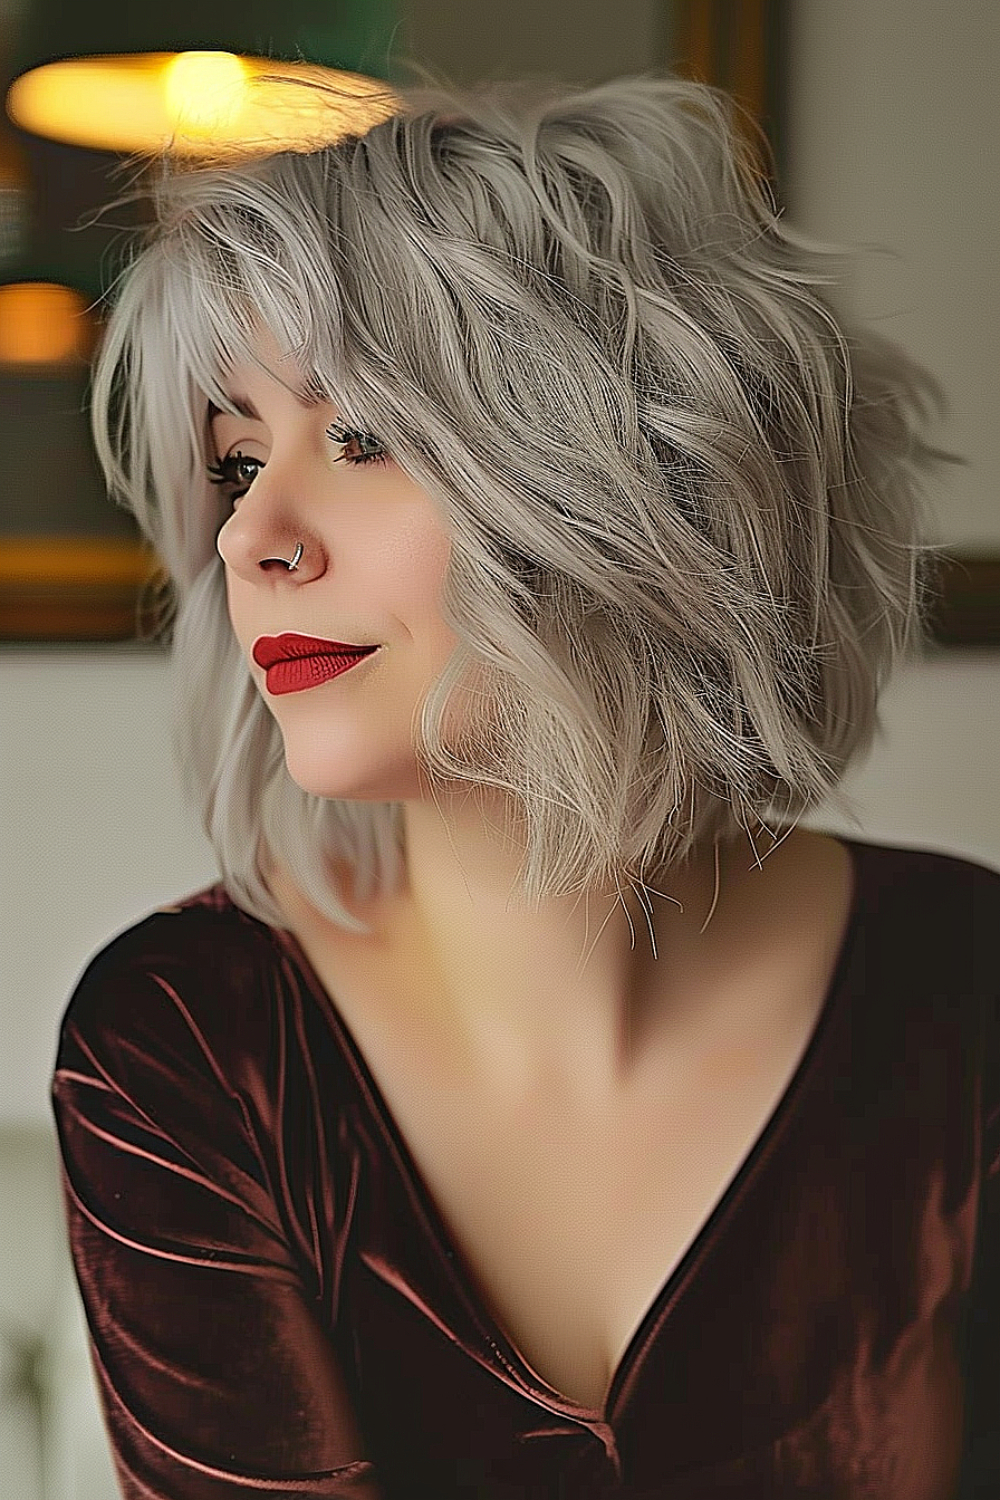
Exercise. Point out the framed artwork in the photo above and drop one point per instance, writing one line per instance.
(73, 565)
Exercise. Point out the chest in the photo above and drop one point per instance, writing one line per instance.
(568, 1223)
(569, 1217)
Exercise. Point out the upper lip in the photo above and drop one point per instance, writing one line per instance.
(268, 649)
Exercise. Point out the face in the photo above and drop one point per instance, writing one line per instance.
(373, 561)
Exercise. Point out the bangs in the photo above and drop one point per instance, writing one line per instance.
(222, 279)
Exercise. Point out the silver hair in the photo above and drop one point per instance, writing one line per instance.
(684, 495)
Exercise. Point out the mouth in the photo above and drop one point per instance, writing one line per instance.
(295, 662)
(269, 650)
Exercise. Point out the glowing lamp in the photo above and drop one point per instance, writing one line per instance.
(195, 103)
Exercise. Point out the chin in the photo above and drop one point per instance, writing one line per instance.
(349, 777)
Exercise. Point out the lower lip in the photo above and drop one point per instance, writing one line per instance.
(301, 672)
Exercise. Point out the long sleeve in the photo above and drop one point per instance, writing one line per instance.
(216, 1375)
(981, 1471)
(981, 1467)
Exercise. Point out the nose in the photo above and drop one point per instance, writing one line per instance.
(261, 539)
(291, 564)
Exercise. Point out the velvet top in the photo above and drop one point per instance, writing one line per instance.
(275, 1306)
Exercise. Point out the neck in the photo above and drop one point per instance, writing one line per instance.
(562, 988)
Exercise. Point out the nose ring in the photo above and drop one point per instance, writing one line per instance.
(291, 566)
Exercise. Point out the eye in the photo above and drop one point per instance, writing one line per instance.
(365, 449)
(236, 473)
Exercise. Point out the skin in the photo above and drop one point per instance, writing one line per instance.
(375, 555)
(373, 560)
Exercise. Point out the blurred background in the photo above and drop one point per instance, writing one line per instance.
(883, 122)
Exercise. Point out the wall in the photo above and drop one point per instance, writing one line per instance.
(94, 832)
(581, 40)
(894, 138)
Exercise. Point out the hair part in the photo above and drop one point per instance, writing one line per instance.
(686, 547)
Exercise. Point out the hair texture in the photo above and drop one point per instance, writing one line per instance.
(685, 497)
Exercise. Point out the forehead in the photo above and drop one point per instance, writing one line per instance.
(250, 375)
(240, 403)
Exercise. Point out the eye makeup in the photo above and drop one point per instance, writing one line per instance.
(231, 473)
(368, 449)
(237, 470)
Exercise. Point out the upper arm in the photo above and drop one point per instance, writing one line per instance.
(981, 1474)
(216, 1375)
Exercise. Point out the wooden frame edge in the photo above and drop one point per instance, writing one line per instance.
(77, 589)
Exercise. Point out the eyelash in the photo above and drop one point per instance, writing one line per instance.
(223, 471)
(345, 435)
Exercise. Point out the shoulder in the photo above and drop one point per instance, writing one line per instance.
(910, 857)
(204, 1168)
(928, 934)
(194, 990)
(909, 907)
(921, 951)
(197, 1074)
(930, 920)
(903, 881)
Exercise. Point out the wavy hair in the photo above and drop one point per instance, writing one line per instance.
(684, 496)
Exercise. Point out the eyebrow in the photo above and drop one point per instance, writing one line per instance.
(246, 408)
(243, 405)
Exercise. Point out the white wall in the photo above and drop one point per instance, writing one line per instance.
(894, 133)
(93, 830)
(894, 137)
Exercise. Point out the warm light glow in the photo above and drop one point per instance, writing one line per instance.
(205, 92)
(195, 103)
(42, 324)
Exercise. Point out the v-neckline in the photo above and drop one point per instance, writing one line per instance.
(452, 1257)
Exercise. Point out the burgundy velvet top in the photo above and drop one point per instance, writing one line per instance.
(276, 1308)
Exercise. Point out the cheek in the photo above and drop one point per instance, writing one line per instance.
(237, 610)
(411, 568)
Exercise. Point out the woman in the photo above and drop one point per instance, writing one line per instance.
(533, 1108)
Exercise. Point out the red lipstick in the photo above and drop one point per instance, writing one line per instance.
(294, 662)
(267, 649)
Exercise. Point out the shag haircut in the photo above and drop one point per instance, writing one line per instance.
(685, 500)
